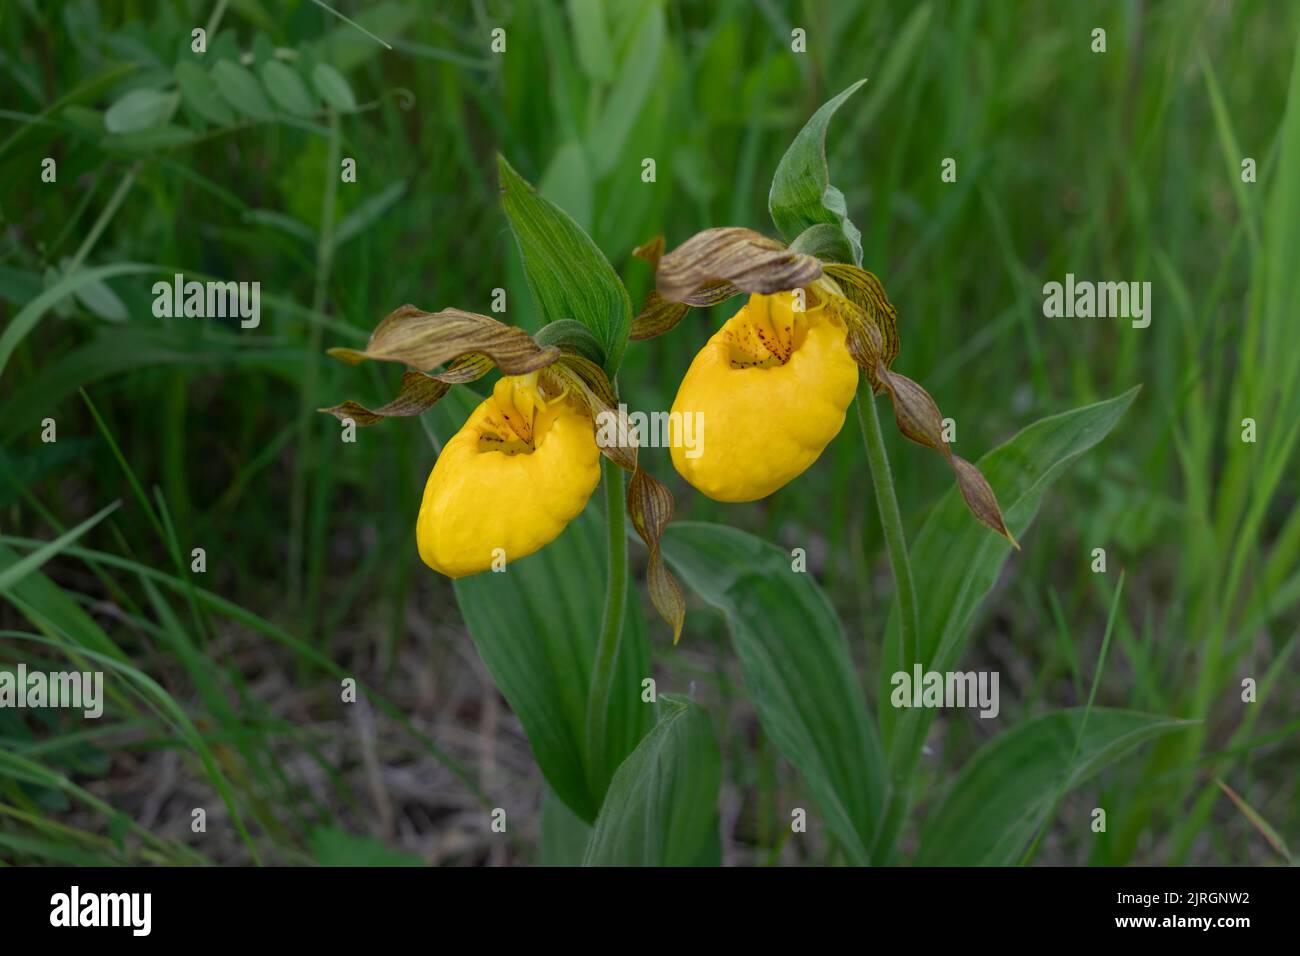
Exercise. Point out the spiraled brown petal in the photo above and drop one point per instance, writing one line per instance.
(864, 340)
(866, 292)
(650, 506)
(651, 251)
(419, 392)
(425, 340)
(920, 420)
(916, 413)
(587, 381)
(711, 267)
(742, 258)
(656, 317)
(980, 499)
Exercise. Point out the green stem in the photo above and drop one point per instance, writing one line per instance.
(602, 675)
(105, 216)
(891, 520)
(215, 20)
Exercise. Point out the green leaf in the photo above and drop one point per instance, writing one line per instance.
(348, 47)
(662, 806)
(239, 87)
(287, 89)
(958, 561)
(49, 607)
(802, 194)
(568, 275)
(563, 835)
(571, 336)
(150, 140)
(368, 211)
(140, 109)
(536, 627)
(592, 39)
(796, 667)
(333, 88)
(31, 313)
(12, 573)
(201, 94)
(102, 301)
(826, 242)
(332, 846)
(1011, 786)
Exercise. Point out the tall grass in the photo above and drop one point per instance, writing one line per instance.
(225, 686)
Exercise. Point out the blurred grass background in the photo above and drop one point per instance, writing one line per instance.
(224, 686)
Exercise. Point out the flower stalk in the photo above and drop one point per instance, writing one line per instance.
(611, 629)
(891, 521)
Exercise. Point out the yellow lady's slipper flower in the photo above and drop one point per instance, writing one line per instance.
(519, 470)
(772, 387)
(773, 384)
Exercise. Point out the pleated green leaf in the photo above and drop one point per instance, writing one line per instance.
(1014, 782)
(662, 807)
(536, 626)
(569, 276)
(956, 561)
(797, 670)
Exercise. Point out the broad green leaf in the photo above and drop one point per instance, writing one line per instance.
(796, 667)
(536, 627)
(957, 560)
(287, 89)
(332, 846)
(563, 835)
(1008, 790)
(567, 273)
(333, 88)
(802, 194)
(201, 95)
(140, 109)
(239, 87)
(662, 806)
